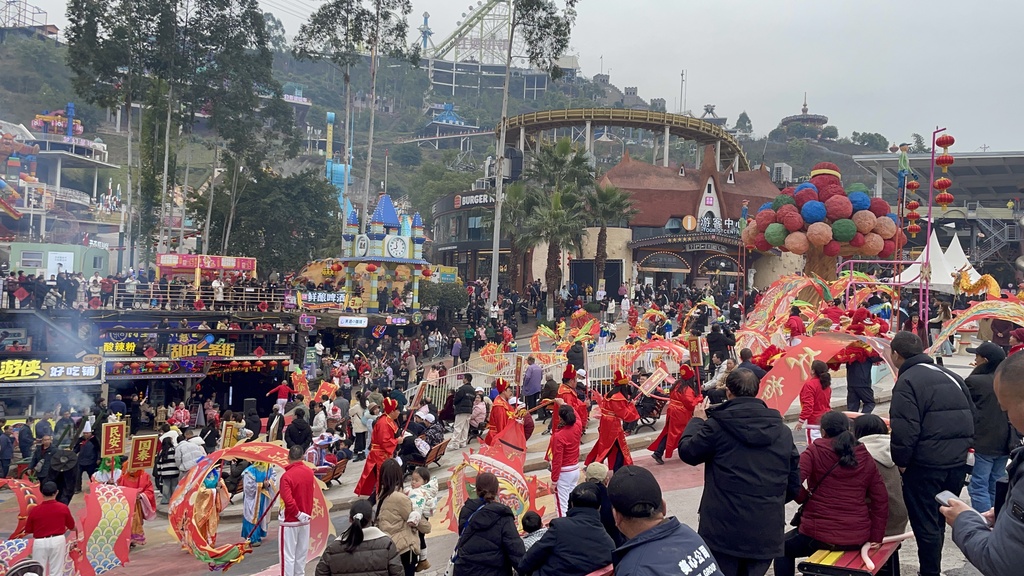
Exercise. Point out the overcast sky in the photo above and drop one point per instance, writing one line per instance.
(869, 65)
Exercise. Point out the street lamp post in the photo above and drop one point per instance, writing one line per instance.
(499, 176)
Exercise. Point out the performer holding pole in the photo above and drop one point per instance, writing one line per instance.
(502, 413)
(683, 398)
(611, 439)
(384, 442)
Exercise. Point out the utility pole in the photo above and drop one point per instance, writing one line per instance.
(499, 169)
(682, 92)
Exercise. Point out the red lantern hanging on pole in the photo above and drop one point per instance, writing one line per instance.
(913, 229)
(943, 198)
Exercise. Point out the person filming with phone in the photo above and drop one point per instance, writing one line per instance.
(993, 541)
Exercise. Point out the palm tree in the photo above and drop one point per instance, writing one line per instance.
(607, 204)
(561, 165)
(561, 222)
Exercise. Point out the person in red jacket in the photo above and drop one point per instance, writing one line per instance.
(383, 445)
(297, 496)
(815, 400)
(567, 393)
(502, 413)
(283, 391)
(565, 455)
(845, 504)
(795, 325)
(682, 399)
(611, 438)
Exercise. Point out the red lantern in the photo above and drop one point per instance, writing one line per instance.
(233, 364)
(285, 362)
(371, 267)
(913, 230)
(942, 183)
(260, 364)
(273, 363)
(913, 205)
(944, 199)
(246, 364)
(945, 141)
(944, 161)
(913, 185)
(165, 365)
(912, 215)
(150, 365)
(135, 365)
(118, 365)
(427, 272)
(336, 267)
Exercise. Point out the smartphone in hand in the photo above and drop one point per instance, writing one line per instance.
(944, 497)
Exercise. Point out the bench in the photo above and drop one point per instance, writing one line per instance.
(846, 563)
(651, 418)
(436, 453)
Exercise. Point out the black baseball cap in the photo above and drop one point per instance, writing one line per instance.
(634, 492)
(989, 351)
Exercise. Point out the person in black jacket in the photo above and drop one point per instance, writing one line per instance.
(751, 469)
(720, 340)
(746, 361)
(575, 545)
(88, 450)
(489, 542)
(26, 439)
(299, 432)
(932, 419)
(462, 404)
(991, 427)
(575, 355)
(253, 424)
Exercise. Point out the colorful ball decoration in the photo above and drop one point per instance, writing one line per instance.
(822, 181)
(900, 238)
(782, 200)
(765, 206)
(888, 247)
(764, 218)
(838, 208)
(830, 191)
(857, 241)
(761, 244)
(885, 228)
(793, 221)
(813, 211)
(748, 235)
(819, 233)
(865, 220)
(804, 196)
(843, 230)
(786, 209)
(873, 244)
(788, 191)
(832, 248)
(857, 187)
(806, 186)
(797, 243)
(775, 234)
(879, 207)
(827, 168)
(860, 200)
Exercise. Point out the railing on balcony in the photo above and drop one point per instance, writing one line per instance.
(63, 193)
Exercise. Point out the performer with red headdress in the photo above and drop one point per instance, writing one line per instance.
(502, 413)
(567, 392)
(611, 439)
(682, 399)
(385, 441)
(145, 503)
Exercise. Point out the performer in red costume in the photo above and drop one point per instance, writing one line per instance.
(567, 393)
(795, 324)
(611, 439)
(565, 455)
(384, 442)
(682, 399)
(502, 413)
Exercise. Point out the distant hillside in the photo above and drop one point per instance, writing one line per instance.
(802, 155)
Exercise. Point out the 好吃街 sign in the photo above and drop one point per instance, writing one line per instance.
(17, 371)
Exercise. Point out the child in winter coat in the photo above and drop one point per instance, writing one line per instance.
(423, 494)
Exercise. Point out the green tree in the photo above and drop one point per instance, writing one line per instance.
(607, 205)
(876, 142)
(829, 133)
(777, 135)
(407, 155)
(799, 130)
(520, 203)
(275, 33)
(743, 123)
(797, 150)
(448, 298)
(560, 221)
(919, 146)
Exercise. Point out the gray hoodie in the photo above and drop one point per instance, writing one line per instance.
(879, 447)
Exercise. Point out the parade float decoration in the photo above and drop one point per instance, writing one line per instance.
(505, 458)
(182, 510)
(821, 220)
(986, 285)
(104, 535)
(1011, 310)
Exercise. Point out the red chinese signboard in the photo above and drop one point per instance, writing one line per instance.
(143, 453)
(112, 439)
(193, 261)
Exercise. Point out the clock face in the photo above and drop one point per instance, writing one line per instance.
(397, 247)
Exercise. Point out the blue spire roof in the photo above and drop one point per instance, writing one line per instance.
(353, 218)
(417, 222)
(385, 213)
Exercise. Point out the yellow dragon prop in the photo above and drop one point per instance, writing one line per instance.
(985, 285)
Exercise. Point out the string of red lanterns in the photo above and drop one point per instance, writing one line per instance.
(944, 161)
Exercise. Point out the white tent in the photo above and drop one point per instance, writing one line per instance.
(942, 273)
(957, 259)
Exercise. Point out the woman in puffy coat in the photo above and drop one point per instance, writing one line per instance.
(815, 400)
(393, 511)
(362, 550)
(489, 542)
(845, 503)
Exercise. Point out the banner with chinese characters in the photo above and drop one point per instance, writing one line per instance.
(17, 371)
(190, 261)
(203, 348)
(143, 452)
(320, 300)
(112, 439)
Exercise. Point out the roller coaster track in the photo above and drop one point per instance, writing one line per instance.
(686, 127)
(452, 136)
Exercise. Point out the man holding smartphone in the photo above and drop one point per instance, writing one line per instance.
(993, 541)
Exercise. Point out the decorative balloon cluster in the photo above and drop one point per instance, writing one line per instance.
(824, 214)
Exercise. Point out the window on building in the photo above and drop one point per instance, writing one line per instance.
(31, 259)
(97, 262)
(674, 225)
(709, 188)
(731, 179)
(475, 228)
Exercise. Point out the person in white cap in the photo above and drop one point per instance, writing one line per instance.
(435, 430)
(88, 450)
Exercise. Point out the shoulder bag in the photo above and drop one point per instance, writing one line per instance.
(810, 493)
(455, 553)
